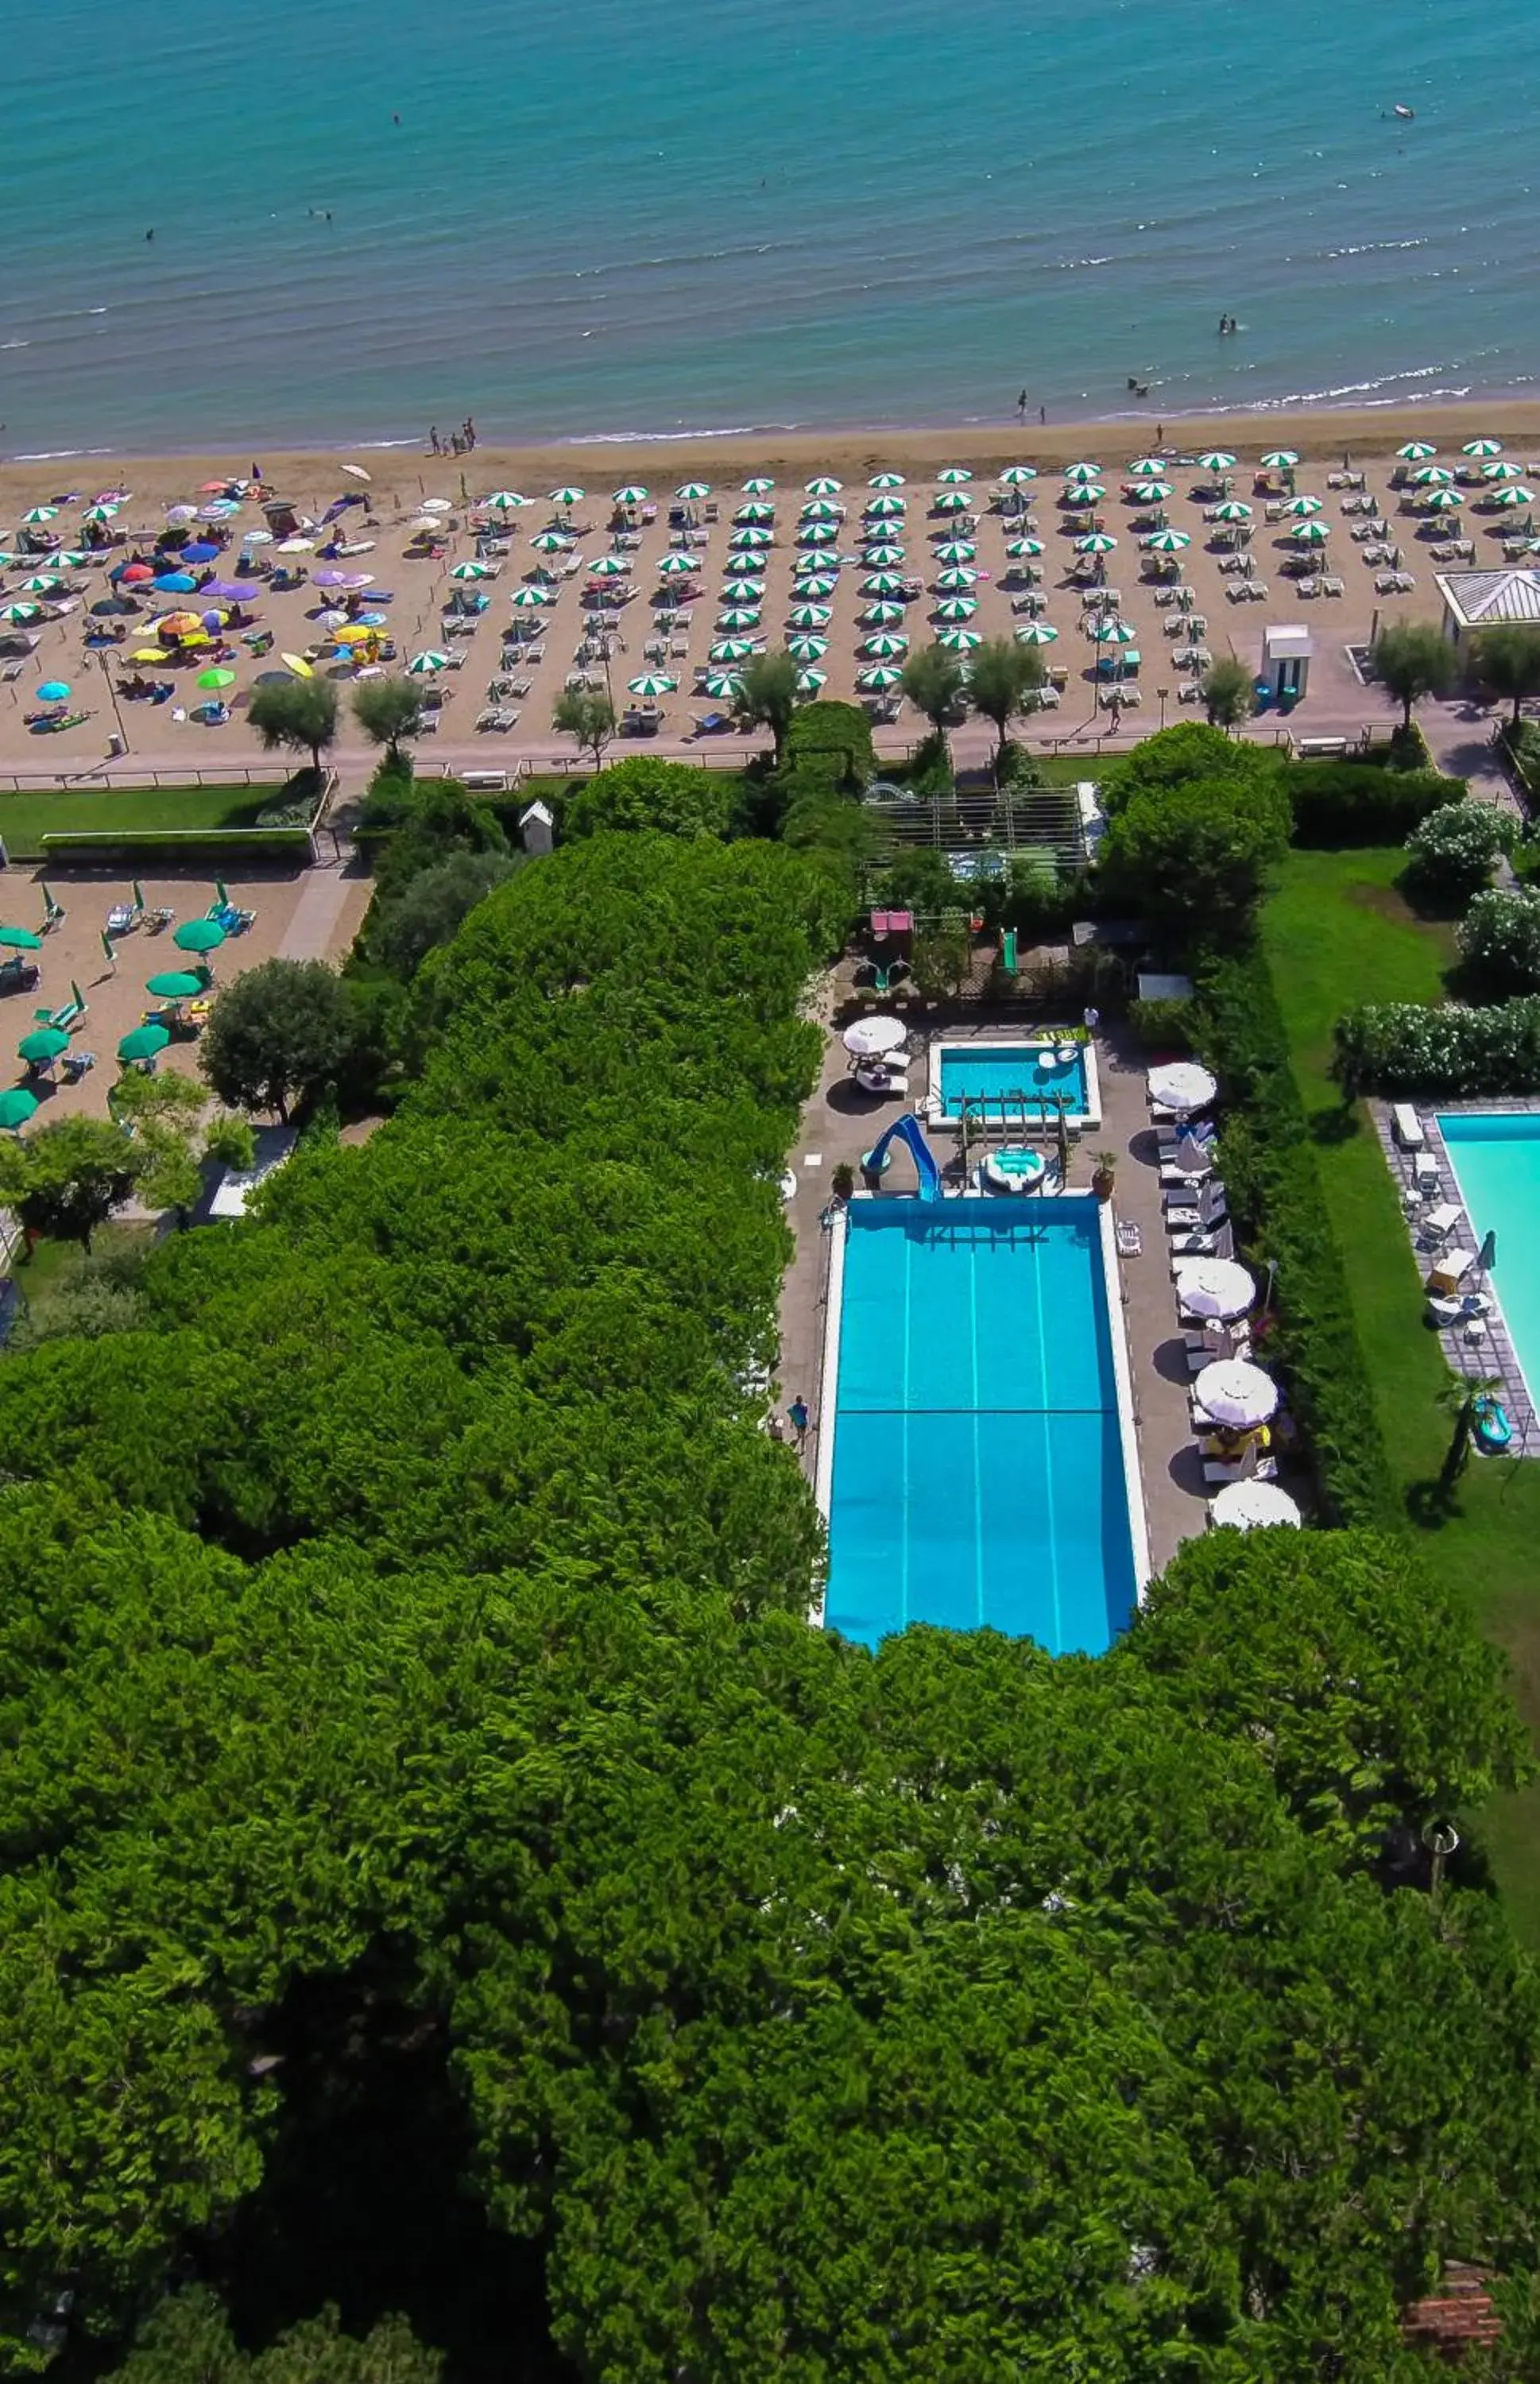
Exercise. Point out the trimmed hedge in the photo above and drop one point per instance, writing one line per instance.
(1274, 1183)
(1341, 803)
(840, 733)
(1445, 1052)
(1520, 746)
(223, 847)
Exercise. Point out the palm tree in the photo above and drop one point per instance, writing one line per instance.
(388, 710)
(933, 682)
(587, 716)
(1412, 659)
(1509, 660)
(298, 715)
(1228, 695)
(1002, 676)
(767, 694)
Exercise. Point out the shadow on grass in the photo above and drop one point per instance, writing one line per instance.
(1332, 1127)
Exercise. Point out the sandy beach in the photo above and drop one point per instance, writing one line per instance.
(410, 591)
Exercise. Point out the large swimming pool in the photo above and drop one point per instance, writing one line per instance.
(1496, 1158)
(1008, 1078)
(981, 1468)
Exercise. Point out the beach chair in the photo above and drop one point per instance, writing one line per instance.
(1215, 1470)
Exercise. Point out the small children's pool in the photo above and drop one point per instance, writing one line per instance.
(1010, 1078)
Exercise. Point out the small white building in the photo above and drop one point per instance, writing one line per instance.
(1479, 600)
(274, 1145)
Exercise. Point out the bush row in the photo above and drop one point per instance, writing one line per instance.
(1275, 1196)
(1445, 1053)
(1337, 803)
(1520, 744)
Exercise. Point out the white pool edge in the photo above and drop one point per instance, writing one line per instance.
(1123, 1389)
(1477, 1110)
(829, 1386)
(1089, 1122)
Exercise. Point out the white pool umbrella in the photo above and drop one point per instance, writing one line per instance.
(1236, 1394)
(1219, 1288)
(869, 1037)
(1251, 1505)
(1181, 1085)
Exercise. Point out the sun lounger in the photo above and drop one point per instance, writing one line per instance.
(1264, 1469)
(1130, 1241)
(1440, 1223)
(1406, 1127)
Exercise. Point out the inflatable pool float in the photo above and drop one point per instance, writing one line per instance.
(1015, 1169)
(1489, 1424)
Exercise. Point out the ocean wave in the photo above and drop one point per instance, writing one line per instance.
(676, 437)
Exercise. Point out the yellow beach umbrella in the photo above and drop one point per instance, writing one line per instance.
(297, 663)
(354, 634)
(148, 654)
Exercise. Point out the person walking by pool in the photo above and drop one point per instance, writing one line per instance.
(797, 1416)
(1092, 1017)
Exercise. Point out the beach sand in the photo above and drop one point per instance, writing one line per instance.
(399, 480)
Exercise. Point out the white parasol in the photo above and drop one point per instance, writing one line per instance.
(1236, 1394)
(1216, 1288)
(1251, 1505)
(870, 1036)
(1181, 1085)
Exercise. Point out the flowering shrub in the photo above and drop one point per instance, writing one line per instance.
(1500, 942)
(1453, 849)
(1448, 1052)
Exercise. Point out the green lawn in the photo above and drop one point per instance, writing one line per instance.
(1336, 932)
(26, 819)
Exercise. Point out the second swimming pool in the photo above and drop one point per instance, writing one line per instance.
(1007, 1077)
(980, 1471)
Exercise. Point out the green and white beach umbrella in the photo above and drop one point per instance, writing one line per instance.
(884, 555)
(961, 641)
(886, 508)
(675, 566)
(886, 480)
(1516, 494)
(758, 487)
(732, 650)
(531, 599)
(1016, 476)
(21, 613)
(881, 616)
(1431, 476)
(1079, 474)
(753, 537)
(1445, 501)
(1037, 633)
(1502, 471)
(609, 567)
(651, 683)
(1234, 509)
(806, 647)
(1311, 533)
(739, 616)
(955, 476)
(1113, 632)
(1096, 541)
(1021, 548)
(1280, 459)
(36, 514)
(546, 541)
(1301, 508)
(505, 500)
(427, 664)
(816, 585)
(1216, 460)
(1151, 492)
(808, 682)
(744, 591)
(1148, 467)
(823, 486)
(952, 500)
(100, 513)
(809, 617)
(630, 495)
(820, 509)
(725, 685)
(955, 578)
(878, 680)
(885, 645)
(43, 583)
(882, 583)
(817, 533)
(1169, 541)
(565, 497)
(956, 550)
(955, 608)
(692, 493)
(1417, 451)
(472, 570)
(1472, 447)
(756, 511)
(1086, 493)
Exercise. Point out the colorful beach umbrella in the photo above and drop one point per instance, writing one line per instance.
(502, 501)
(693, 492)
(952, 500)
(1516, 494)
(1445, 501)
(722, 684)
(758, 487)
(530, 599)
(957, 576)
(731, 649)
(820, 509)
(877, 681)
(176, 985)
(1311, 533)
(1280, 459)
(21, 613)
(1431, 476)
(808, 682)
(1016, 476)
(885, 645)
(809, 617)
(566, 498)
(1025, 547)
(217, 677)
(882, 615)
(739, 616)
(954, 476)
(1301, 508)
(677, 567)
(198, 936)
(1148, 467)
(882, 583)
(1216, 460)
(956, 550)
(744, 591)
(545, 541)
(955, 608)
(751, 537)
(817, 533)
(1417, 451)
(16, 1105)
(1084, 493)
(1169, 541)
(145, 1042)
(100, 513)
(1502, 471)
(1096, 541)
(1082, 473)
(609, 567)
(807, 647)
(962, 641)
(1151, 492)
(473, 570)
(653, 683)
(43, 1045)
(1482, 447)
(816, 585)
(755, 512)
(1037, 633)
(822, 486)
(427, 664)
(53, 690)
(886, 508)
(1113, 632)
(1233, 510)
(48, 583)
(886, 480)
(884, 557)
(632, 494)
(36, 514)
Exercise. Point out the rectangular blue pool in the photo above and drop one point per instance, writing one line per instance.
(977, 1469)
(1496, 1158)
(1004, 1075)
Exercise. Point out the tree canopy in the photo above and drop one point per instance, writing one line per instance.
(276, 1035)
(389, 711)
(296, 716)
(1413, 659)
(645, 791)
(586, 715)
(1193, 858)
(66, 1179)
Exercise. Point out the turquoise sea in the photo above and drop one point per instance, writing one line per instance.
(596, 219)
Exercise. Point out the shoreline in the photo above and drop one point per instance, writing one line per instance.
(1375, 428)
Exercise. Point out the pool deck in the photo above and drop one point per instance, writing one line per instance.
(839, 1121)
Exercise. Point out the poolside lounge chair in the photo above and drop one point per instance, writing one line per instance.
(1440, 1223)
(1264, 1469)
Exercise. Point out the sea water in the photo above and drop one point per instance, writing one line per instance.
(593, 218)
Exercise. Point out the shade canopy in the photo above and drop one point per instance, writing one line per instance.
(1236, 1394)
(198, 936)
(16, 1105)
(45, 1043)
(176, 985)
(1220, 1288)
(867, 1038)
(21, 940)
(1253, 1506)
(1181, 1085)
(143, 1043)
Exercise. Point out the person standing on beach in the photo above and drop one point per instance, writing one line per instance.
(1042, 413)
(1021, 406)
(433, 440)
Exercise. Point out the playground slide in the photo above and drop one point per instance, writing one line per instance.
(908, 1129)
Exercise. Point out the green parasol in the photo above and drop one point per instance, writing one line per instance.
(145, 1042)
(176, 985)
(653, 683)
(198, 936)
(16, 1105)
(45, 1043)
(21, 940)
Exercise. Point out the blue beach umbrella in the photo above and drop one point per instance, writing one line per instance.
(53, 690)
(176, 583)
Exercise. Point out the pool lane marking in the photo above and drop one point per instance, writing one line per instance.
(907, 1508)
(1039, 1247)
(978, 1475)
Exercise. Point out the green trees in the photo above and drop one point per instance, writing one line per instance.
(277, 1035)
(389, 711)
(767, 697)
(586, 715)
(1500, 943)
(1508, 660)
(933, 682)
(67, 1179)
(1228, 696)
(1412, 659)
(188, 2340)
(675, 798)
(296, 716)
(1000, 677)
(432, 904)
(1194, 860)
(1180, 756)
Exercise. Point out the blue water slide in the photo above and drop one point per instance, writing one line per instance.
(908, 1129)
